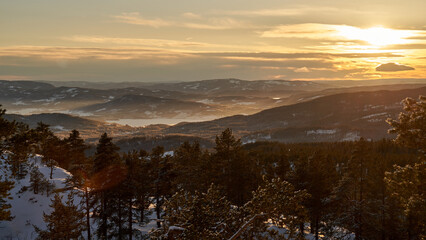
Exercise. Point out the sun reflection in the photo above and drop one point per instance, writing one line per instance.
(376, 36)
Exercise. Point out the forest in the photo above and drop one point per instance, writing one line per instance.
(264, 190)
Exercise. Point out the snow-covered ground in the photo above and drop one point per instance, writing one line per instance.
(27, 207)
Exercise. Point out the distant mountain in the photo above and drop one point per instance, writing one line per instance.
(237, 87)
(190, 101)
(137, 106)
(210, 86)
(338, 117)
(35, 97)
(307, 96)
(89, 129)
(57, 121)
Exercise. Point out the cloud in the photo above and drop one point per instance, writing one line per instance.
(302, 69)
(19, 55)
(282, 12)
(191, 15)
(136, 18)
(375, 36)
(150, 42)
(134, 63)
(392, 67)
(405, 46)
(303, 30)
(216, 23)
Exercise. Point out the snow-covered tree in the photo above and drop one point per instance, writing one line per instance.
(411, 124)
(198, 216)
(407, 184)
(279, 202)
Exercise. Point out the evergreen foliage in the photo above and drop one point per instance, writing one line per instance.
(5, 187)
(370, 190)
(65, 222)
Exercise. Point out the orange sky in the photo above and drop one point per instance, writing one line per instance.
(135, 40)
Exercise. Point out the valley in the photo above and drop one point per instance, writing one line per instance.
(278, 110)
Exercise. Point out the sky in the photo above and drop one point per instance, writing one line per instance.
(186, 40)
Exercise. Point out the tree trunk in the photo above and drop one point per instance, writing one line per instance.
(142, 208)
(119, 220)
(104, 217)
(51, 169)
(130, 218)
(89, 237)
(157, 205)
(316, 228)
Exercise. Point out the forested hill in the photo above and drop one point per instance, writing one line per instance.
(335, 117)
(344, 190)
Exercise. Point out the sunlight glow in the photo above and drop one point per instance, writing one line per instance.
(376, 36)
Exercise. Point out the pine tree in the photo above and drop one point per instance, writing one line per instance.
(5, 187)
(36, 180)
(50, 147)
(135, 190)
(279, 202)
(162, 175)
(75, 152)
(230, 167)
(106, 175)
(20, 145)
(7, 129)
(350, 195)
(406, 184)
(65, 222)
(198, 216)
(407, 187)
(320, 177)
(411, 125)
(188, 160)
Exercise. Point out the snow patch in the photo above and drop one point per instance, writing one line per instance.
(321, 131)
(374, 115)
(351, 136)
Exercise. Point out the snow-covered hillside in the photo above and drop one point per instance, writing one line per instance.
(27, 207)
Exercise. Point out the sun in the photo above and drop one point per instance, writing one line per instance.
(376, 36)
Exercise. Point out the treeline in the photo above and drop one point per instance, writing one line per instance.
(363, 189)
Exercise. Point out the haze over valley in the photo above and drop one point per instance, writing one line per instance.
(263, 110)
